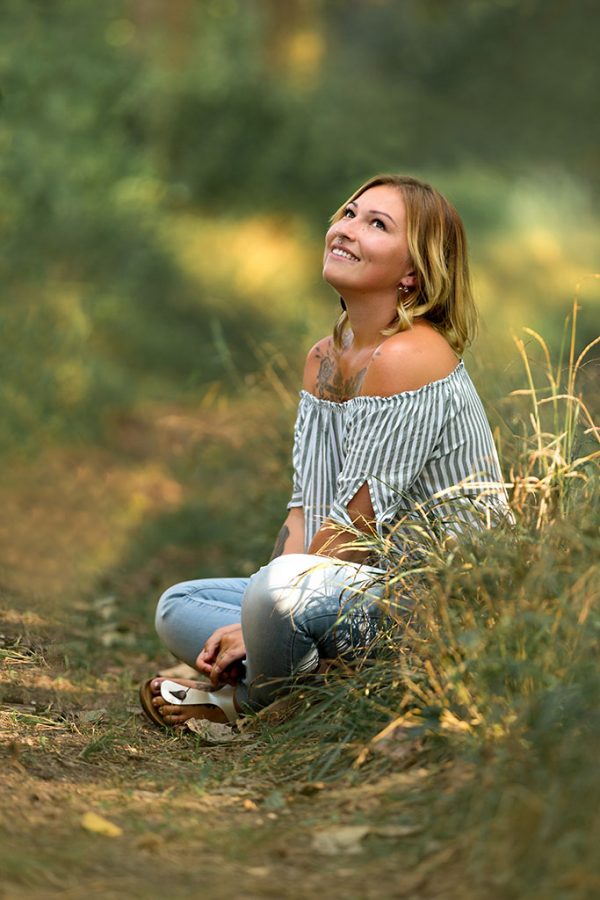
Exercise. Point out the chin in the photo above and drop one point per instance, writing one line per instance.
(336, 283)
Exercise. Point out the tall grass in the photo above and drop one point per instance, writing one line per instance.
(495, 668)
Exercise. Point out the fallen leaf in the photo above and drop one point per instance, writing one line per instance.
(110, 638)
(396, 831)
(342, 839)
(213, 733)
(348, 838)
(310, 788)
(99, 825)
(101, 602)
(250, 805)
(91, 716)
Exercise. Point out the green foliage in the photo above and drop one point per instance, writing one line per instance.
(95, 311)
(114, 119)
(489, 666)
(121, 122)
(495, 671)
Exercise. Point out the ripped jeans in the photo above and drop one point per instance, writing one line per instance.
(294, 612)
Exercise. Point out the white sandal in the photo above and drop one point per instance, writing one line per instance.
(181, 695)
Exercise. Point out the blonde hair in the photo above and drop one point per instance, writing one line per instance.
(438, 250)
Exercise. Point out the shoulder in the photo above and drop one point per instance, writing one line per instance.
(408, 361)
(320, 354)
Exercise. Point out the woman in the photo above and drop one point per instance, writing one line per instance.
(390, 433)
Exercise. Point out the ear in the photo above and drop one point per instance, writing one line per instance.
(408, 281)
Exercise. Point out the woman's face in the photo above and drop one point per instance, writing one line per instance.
(367, 250)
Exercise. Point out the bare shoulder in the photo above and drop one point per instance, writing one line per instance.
(408, 361)
(317, 356)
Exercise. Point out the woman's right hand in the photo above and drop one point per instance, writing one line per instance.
(221, 656)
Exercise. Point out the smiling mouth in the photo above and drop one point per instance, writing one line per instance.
(344, 254)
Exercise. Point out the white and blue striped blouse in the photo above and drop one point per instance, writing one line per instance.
(424, 453)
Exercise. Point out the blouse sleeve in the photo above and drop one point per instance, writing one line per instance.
(297, 498)
(389, 440)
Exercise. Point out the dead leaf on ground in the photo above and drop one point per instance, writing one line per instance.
(258, 871)
(310, 788)
(91, 821)
(213, 733)
(348, 838)
(396, 831)
(342, 839)
(91, 716)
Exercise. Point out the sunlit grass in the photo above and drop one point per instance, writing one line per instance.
(495, 664)
(258, 260)
(490, 678)
(554, 462)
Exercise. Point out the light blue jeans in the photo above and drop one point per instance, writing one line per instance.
(294, 612)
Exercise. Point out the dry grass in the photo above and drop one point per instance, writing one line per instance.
(466, 750)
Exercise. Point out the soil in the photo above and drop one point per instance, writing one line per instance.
(96, 802)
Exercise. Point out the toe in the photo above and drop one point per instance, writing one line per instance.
(169, 712)
(172, 716)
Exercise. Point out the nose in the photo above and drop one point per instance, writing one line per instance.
(343, 229)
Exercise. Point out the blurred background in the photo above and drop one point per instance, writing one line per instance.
(167, 172)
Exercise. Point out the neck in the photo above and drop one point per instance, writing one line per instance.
(368, 316)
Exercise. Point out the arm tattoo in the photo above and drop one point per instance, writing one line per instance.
(330, 383)
(282, 537)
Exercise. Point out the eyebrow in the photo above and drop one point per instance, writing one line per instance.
(374, 212)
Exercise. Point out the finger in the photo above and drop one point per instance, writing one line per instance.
(225, 659)
(211, 648)
(216, 671)
(201, 663)
(221, 672)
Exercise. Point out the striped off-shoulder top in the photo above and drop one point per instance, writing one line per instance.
(428, 455)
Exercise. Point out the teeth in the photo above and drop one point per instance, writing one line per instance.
(337, 251)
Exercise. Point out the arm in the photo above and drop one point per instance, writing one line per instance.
(291, 535)
(333, 540)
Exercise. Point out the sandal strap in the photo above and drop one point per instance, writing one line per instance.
(181, 695)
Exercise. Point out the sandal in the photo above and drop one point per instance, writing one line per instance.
(182, 695)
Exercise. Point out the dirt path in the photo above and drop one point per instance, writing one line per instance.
(175, 817)
(94, 802)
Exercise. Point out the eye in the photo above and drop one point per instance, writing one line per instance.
(349, 212)
(379, 223)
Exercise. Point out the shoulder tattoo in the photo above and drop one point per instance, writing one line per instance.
(330, 383)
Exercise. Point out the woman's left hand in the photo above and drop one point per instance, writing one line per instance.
(221, 656)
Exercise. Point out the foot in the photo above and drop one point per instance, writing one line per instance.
(178, 715)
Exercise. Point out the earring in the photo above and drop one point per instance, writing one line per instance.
(404, 289)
